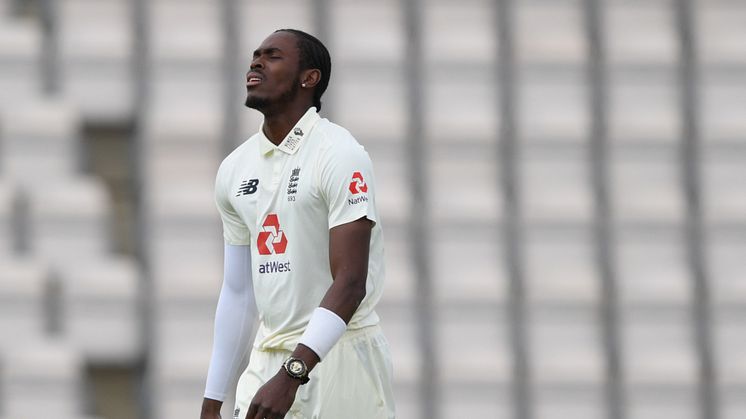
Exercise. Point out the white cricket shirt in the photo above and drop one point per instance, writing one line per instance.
(282, 201)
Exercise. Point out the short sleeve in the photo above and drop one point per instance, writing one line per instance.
(348, 184)
(235, 231)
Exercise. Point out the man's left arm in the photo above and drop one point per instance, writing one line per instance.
(349, 246)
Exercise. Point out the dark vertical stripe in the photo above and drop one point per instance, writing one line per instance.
(322, 27)
(419, 214)
(693, 226)
(50, 54)
(232, 80)
(603, 226)
(140, 68)
(508, 158)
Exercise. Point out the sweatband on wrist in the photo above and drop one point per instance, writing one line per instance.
(323, 331)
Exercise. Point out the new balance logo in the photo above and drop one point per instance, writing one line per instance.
(272, 240)
(248, 187)
(358, 184)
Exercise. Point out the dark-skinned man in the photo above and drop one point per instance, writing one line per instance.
(303, 253)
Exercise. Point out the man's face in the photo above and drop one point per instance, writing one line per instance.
(274, 76)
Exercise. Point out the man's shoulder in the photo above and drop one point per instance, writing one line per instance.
(331, 135)
(243, 151)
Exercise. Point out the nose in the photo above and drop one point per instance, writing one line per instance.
(256, 63)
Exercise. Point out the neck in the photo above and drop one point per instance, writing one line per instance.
(278, 124)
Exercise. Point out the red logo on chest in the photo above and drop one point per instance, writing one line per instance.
(271, 240)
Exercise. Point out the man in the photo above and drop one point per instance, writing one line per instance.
(304, 248)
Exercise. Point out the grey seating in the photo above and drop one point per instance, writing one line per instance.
(549, 33)
(555, 184)
(96, 44)
(20, 49)
(40, 140)
(722, 36)
(462, 186)
(640, 34)
(50, 367)
(652, 269)
(102, 310)
(70, 220)
(23, 292)
(560, 267)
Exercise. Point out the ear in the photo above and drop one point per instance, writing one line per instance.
(310, 78)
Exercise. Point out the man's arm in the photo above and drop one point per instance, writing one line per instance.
(234, 319)
(349, 246)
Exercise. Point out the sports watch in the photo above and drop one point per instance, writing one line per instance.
(297, 369)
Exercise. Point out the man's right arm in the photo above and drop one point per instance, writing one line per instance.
(234, 320)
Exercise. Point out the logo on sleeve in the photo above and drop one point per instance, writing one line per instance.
(248, 187)
(271, 240)
(358, 184)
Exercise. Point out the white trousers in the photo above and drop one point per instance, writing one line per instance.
(353, 381)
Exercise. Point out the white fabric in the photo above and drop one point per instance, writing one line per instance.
(323, 331)
(354, 381)
(234, 319)
(282, 200)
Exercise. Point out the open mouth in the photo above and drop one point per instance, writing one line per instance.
(253, 79)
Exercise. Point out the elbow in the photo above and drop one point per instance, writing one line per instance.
(355, 290)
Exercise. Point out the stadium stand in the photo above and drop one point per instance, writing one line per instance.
(70, 301)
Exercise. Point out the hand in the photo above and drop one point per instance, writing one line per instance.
(274, 398)
(210, 409)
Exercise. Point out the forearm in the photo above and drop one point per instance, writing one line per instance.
(234, 319)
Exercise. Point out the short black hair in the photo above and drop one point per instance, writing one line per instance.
(313, 54)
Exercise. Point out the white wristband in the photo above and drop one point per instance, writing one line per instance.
(323, 331)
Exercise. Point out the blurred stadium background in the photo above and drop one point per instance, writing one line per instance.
(562, 185)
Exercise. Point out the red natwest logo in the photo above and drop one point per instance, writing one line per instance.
(358, 184)
(272, 240)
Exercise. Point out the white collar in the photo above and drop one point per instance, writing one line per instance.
(291, 143)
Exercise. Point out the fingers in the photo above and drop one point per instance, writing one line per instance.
(257, 411)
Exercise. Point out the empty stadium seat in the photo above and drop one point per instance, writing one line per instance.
(70, 220)
(50, 367)
(659, 364)
(652, 269)
(555, 185)
(722, 36)
(549, 33)
(378, 119)
(20, 52)
(463, 185)
(560, 267)
(102, 310)
(393, 197)
(646, 187)
(640, 34)
(40, 141)
(259, 18)
(724, 183)
(96, 56)
(553, 108)
(721, 102)
(643, 110)
(460, 110)
(459, 35)
(725, 255)
(185, 64)
(467, 267)
(24, 295)
(566, 349)
(357, 37)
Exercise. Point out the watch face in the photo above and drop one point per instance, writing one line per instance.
(295, 367)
